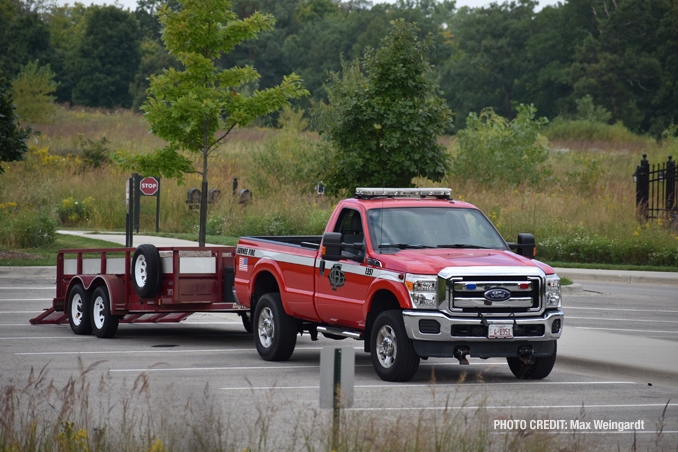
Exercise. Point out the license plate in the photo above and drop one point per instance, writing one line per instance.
(500, 331)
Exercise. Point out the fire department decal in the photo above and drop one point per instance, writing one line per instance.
(337, 277)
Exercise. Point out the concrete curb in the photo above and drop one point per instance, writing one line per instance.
(646, 375)
(623, 276)
(572, 289)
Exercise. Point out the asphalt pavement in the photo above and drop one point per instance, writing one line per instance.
(586, 350)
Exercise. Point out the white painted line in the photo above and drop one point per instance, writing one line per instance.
(208, 323)
(20, 312)
(44, 337)
(620, 329)
(125, 352)
(26, 299)
(28, 288)
(428, 385)
(615, 309)
(174, 369)
(14, 324)
(514, 407)
(621, 320)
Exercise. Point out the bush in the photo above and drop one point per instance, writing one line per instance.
(31, 91)
(95, 153)
(493, 150)
(27, 228)
(71, 211)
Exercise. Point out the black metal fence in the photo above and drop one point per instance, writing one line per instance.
(656, 189)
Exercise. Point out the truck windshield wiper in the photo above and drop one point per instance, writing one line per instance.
(403, 246)
(463, 245)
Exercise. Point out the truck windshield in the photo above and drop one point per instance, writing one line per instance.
(430, 227)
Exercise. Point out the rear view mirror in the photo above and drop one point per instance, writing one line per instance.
(526, 246)
(331, 246)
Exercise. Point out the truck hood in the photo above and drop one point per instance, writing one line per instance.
(432, 261)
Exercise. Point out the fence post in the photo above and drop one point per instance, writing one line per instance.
(670, 179)
(642, 187)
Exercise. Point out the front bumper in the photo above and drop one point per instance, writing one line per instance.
(539, 333)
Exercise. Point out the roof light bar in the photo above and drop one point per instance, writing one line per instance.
(367, 193)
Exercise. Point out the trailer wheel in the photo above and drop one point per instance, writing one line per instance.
(79, 310)
(246, 321)
(541, 368)
(146, 271)
(104, 324)
(276, 332)
(393, 354)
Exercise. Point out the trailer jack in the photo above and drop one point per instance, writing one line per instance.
(526, 354)
(460, 353)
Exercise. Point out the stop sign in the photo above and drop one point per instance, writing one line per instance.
(149, 186)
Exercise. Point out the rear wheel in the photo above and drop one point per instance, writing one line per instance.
(146, 271)
(541, 368)
(393, 354)
(104, 324)
(79, 310)
(275, 332)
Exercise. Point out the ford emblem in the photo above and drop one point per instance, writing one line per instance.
(497, 294)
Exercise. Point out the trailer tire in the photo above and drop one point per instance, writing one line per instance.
(79, 310)
(393, 354)
(276, 332)
(540, 369)
(146, 271)
(104, 324)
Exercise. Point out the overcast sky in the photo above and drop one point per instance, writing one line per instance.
(132, 4)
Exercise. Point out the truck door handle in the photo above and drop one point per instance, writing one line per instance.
(322, 268)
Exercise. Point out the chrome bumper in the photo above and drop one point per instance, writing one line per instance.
(412, 318)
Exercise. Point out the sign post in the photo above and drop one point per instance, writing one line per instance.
(337, 374)
(146, 186)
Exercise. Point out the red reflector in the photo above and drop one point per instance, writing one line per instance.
(524, 285)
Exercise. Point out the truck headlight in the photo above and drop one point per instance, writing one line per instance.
(553, 295)
(422, 290)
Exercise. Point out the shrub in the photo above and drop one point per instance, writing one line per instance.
(27, 228)
(95, 153)
(71, 211)
(493, 150)
(31, 91)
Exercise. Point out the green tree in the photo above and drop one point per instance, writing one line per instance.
(12, 136)
(385, 124)
(194, 110)
(104, 61)
(31, 91)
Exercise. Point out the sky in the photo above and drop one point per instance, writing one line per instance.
(132, 4)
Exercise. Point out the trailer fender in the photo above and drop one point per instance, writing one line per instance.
(114, 285)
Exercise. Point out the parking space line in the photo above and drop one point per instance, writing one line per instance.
(43, 337)
(28, 288)
(614, 309)
(126, 352)
(428, 385)
(620, 320)
(20, 312)
(26, 299)
(516, 407)
(620, 329)
(174, 369)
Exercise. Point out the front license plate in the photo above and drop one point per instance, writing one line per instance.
(500, 331)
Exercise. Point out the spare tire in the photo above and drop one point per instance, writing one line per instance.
(146, 271)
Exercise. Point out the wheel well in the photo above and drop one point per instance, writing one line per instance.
(265, 283)
(383, 300)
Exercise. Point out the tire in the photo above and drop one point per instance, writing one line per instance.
(79, 311)
(276, 332)
(146, 271)
(246, 321)
(393, 355)
(104, 324)
(541, 368)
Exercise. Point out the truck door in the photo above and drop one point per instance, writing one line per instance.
(341, 287)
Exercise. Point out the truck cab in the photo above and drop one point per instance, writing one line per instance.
(413, 273)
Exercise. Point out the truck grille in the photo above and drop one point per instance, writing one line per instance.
(481, 331)
(513, 294)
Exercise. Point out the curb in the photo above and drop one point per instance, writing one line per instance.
(28, 272)
(623, 276)
(572, 289)
(647, 375)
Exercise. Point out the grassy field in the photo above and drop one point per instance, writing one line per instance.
(47, 255)
(583, 213)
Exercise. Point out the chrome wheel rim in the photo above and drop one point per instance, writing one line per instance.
(266, 327)
(141, 271)
(99, 312)
(386, 346)
(76, 309)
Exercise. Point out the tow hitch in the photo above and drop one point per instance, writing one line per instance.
(460, 353)
(526, 354)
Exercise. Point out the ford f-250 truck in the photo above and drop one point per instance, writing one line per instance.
(414, 274)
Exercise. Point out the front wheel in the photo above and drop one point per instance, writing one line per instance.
(393, 354)
(275, 332)
(539, 369)
(104, 324)
(79, 310)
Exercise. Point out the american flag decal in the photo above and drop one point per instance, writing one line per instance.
(242, 265)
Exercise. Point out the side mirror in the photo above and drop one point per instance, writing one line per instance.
(526, 246)
(331, 246)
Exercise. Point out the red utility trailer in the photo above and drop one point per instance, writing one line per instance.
(141, 285)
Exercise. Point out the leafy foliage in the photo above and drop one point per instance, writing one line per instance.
(194, 110)
(385, 124)
(493, 150)
(13, 138)
(27, 228)
(31, 91)
(95, 153)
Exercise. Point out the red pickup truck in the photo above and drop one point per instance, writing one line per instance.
(411, 272)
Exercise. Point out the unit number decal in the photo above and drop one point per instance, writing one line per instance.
(337, 277)
(369, 271)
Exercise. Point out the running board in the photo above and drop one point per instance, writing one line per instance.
(340, 332)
